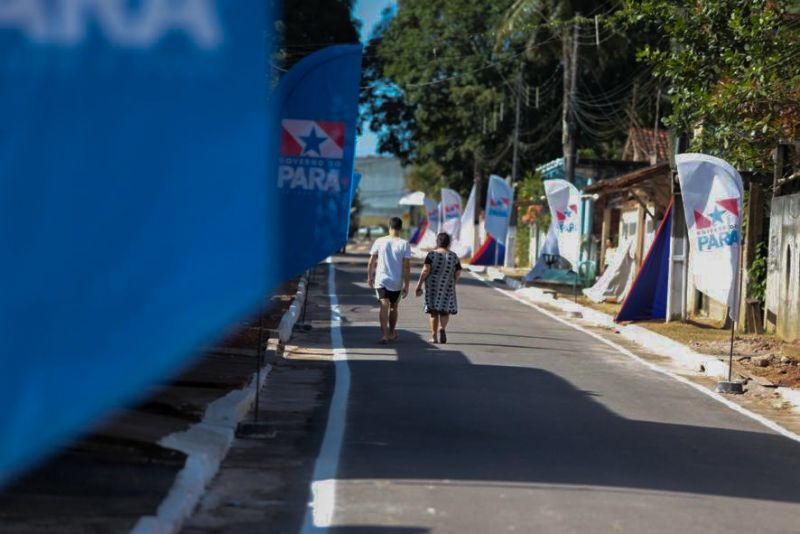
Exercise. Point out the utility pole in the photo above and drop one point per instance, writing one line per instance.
(515, 157)
(476, 177)
(569, 128)
(511, 238)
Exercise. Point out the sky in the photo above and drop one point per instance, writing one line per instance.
(369, 13)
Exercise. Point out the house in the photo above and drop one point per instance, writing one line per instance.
(782, 306)
(645, 144)
(628, 203)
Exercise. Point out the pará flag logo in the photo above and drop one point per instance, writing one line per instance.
(311, 156)
(712, 190)
(313, 139)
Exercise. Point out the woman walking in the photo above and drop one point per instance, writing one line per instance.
(440, 273)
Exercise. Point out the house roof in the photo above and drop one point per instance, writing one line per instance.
(630, 179)
(639, 146)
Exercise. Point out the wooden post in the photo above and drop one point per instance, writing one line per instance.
(754, 218)
(604, 233)
(641, 231)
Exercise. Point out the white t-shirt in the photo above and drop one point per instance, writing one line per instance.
(391, 252)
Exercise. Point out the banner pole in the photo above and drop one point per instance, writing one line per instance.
(730, 355)
(730, 386)
(738, 295)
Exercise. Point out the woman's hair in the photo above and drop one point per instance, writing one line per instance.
(443, 240)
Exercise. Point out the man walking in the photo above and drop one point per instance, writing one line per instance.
(389, 273)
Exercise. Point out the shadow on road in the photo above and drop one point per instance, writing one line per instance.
(431, 414)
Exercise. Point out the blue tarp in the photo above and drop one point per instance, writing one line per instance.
(647, 298)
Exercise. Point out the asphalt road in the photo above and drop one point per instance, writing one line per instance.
(524, 424)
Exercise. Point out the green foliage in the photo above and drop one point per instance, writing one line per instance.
(732, 69)
(425, 177)
(522, 252)
(442, 79)
(757, 274)
(306, 26)
(435, 84)
(531, 187)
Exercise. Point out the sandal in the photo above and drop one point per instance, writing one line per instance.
(442, 336)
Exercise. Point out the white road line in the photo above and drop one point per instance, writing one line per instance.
(775, 427)
(319, 515)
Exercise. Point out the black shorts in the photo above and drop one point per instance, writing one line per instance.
(393, 296)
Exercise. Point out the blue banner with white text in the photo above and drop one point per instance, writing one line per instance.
(318, 109)
(132, 202)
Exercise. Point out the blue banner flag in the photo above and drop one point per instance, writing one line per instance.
(318, 107)
(647, 298)
(132, 202)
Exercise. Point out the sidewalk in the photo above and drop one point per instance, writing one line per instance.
(262, 485)
(123, 471)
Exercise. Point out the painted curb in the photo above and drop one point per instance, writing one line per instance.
(678, 352)
(289, 319)
(207, 443)
(792, 396)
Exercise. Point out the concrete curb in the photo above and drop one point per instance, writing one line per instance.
(289, 319)
(678, 352)
(792, 396)
(207, 443)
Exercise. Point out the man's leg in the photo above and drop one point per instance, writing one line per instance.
(393, 313)
(384, 319)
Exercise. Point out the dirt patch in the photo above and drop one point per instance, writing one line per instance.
(777, 373)
(774, 361)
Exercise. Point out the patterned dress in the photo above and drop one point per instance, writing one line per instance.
(440, 286)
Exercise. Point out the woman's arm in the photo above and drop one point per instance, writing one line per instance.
(426, 271)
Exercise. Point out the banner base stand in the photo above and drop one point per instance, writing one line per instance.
(731, 388)
(255, 430)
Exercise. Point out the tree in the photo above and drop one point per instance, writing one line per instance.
(438, 90)
(442, 80)
(306, 26)
(732, 69)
